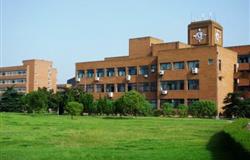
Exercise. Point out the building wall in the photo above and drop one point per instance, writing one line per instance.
(38, 73)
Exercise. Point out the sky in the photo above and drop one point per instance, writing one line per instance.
(70, 31)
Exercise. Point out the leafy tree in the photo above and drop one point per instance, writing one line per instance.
(36, 101)
(105, 106)
(168, 109)
(10, 101)
(236, 105)
(203, 109)
(88, 102)
(182, 110)
(133, 103)
(74, 108)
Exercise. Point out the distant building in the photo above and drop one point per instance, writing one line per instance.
(29, 76)
(172, 72)
(63, 87)
(72, 81)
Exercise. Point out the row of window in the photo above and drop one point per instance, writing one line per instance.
(18, 89)
(244, 58)
(13, 81)
(177, 102)
(179, 65)
(143, 70)
(12, 73)
(179, 85)
(141, 87)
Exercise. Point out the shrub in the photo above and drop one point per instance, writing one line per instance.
(157, 112)
(168, 109)
(74, 108)
(182, 110)
(203, 109)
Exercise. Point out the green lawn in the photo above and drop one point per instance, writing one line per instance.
(51, 137)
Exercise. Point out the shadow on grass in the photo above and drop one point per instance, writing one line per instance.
(223, 147)
(118, 117)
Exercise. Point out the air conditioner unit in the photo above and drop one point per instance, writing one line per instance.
(110, 94)
(161, 73)
(152, 70)
(164, 92)
(195, 70)
(97, 79)
(78, 79)
(238, 80)
(128, 77)
(145, 76)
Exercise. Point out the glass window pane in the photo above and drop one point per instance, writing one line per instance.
(165, 66)
(132, 70)
(122, 71)
(179, 65)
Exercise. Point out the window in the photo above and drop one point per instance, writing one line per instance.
(153, 86)
(80, 73)
(132, 86)
(90, 73)
(89, 88)
(166, 66)
(244, 58)
(121, 87)
(122, 71)
(179, 65)
(143, 87)
(153, 68)
(143, 70)
(100, 72)
(219, 65)
(172, 85)
(153, 103)
(132, 70)
(210, 61)
(193, 64)
(110, 88)
(193, 84)
(191, 101)
(99, 87)
(175, 102)
(110, 72)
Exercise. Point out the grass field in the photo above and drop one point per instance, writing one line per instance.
(51, 137)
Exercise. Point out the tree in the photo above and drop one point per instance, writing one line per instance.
(236, 105)
(74, 108)
(133, 103)
(88, 102)
(105, 106)
(168, 109)
(203, 109)
(36, 101)
(11, 101)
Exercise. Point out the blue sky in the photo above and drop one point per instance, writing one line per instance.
(69, 31)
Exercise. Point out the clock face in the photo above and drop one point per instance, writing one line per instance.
(218, 36)
(199, 35)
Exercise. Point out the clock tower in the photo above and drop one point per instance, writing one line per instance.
(205, 33)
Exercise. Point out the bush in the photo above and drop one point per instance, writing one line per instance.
(157, 112)
(203, 109)
(105, 106)
(182, 110)
(74, 108)
(239, 132)
(168, 109)
(88, 102)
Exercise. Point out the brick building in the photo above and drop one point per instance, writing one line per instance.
(172, 72)
(29, 76)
